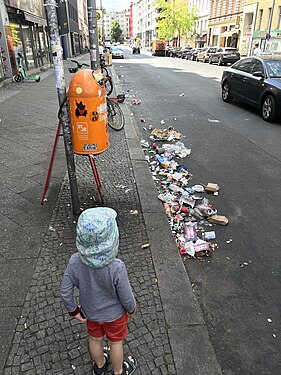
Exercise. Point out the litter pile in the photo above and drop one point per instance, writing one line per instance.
(188, 209)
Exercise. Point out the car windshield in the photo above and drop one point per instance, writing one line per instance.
(273, 68)
(114, 49)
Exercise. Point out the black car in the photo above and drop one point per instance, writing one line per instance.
(182, 53)
(225, 56)
(174, 51)
(192, 54)
(255, 80)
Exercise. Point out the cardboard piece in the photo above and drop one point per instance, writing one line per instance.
(165, 134)
(218, 219)
(211, 187)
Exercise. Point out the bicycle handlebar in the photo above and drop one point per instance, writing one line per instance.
(79, 65)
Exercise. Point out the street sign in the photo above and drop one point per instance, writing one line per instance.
(268, 36)
(98, 16)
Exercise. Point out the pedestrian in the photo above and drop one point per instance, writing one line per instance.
(106, 300)
(257, 50)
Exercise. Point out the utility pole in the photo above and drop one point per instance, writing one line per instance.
(270, 24)
(93, 34)
(61, 90)
(102, 24)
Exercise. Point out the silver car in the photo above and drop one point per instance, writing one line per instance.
(117, 53)
(205, 54)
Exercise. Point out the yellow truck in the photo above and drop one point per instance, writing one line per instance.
(158, 47)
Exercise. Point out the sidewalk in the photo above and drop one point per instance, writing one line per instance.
(168, 335)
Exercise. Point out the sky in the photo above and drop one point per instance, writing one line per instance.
(110, 5)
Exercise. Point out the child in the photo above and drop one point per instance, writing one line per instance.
(105, 293)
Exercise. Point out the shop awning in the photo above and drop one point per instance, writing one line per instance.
(35, 19)
(228, 33)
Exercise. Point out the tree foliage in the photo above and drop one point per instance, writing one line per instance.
(116, 31)
(175, 18)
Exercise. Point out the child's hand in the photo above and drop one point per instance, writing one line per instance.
(130, 315)
(80, 318)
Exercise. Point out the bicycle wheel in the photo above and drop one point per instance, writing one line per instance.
(104, 71)
(116, 119)
(108, 85)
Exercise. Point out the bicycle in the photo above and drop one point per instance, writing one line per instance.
(108, 80)
(115, 116)
(116, 119)
(78, 67)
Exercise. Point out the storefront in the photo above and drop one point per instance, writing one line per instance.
(27, 32)
(200, 40)
(270, 42)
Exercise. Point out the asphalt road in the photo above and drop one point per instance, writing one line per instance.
(232, 146)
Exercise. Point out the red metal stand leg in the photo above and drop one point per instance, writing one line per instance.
(51, 163)
(96, 175)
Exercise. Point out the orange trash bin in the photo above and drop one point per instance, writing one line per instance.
(88, 114)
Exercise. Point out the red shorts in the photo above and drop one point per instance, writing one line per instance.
(114, 331)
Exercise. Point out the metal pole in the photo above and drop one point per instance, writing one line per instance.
(93, 34)
(270, 23)
(102, 24)
(61, 90)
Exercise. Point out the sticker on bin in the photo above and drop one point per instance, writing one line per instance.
(102, 108)
(82, 128)
(90, 146)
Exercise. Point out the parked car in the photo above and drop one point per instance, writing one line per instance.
(174, 51)
(182, 53)
(192, 54)
(225, 56)
(117, 53)
(255, 80)
(205, 54)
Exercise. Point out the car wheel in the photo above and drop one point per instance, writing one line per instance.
(220, 62)
(210, 61)
(225, 94)
(197, 59)
(268, 109)
(204, 60)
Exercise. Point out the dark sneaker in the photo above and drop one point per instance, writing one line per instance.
(102, 370)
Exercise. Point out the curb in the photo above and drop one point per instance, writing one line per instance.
(192, 349)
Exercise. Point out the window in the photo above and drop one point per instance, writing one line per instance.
(244, 65)
(269, 18)
(274, 68)
(260, 18)
(279, 19)
(257, 66)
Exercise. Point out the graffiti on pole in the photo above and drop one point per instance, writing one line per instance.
(4, 52)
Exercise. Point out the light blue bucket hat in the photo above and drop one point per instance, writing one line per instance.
(97, 236)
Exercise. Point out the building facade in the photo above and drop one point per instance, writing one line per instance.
(225, 21)
(105, 23)
(83, 25)
(261, 24)
(201, 26)
(145, 16)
